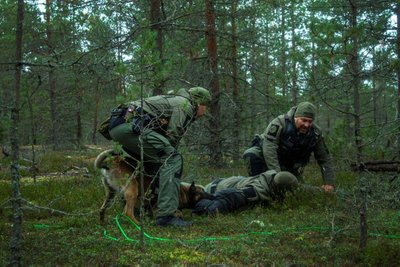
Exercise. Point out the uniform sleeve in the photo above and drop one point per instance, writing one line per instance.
(322, 156)
(176, 126)
(270, 144)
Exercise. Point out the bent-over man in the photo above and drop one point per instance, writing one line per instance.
(158, 123)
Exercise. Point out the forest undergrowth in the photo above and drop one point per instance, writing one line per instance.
(61, 222)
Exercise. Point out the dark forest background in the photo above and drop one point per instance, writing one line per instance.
(259, 58)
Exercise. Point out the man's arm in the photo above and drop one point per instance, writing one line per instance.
(176, 125)
(270, 144)
(322, 155)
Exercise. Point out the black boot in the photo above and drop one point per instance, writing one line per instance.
(164, 221)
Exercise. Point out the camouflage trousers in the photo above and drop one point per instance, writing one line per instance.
(166, 161)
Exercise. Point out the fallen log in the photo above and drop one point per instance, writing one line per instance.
(378, 166)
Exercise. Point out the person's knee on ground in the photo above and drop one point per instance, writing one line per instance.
(255, 164)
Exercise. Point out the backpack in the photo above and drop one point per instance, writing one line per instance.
(117, 117)
(103, 128)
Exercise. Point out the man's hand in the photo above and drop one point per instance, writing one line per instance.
(328, 188)
(163, 121)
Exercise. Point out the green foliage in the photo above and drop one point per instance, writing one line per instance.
(381, 253)
(121, 68)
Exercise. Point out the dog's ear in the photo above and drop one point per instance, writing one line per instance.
(192, 187)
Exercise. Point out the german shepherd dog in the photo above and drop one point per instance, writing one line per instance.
(116, 168)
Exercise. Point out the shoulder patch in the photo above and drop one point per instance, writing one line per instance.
(273, 130)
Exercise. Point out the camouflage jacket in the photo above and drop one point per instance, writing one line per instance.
(279, 154)
(174, 113)
(261, 184)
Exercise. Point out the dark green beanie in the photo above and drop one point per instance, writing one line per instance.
(285, 179)
(305, 109)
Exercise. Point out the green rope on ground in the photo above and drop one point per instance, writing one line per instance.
(239, 236)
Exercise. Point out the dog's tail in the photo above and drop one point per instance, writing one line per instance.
(99, 161)
(107, 178)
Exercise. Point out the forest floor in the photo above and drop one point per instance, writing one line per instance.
(61, 222)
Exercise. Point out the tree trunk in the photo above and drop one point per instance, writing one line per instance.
(96, 112)
(121, 86)
(283, 51)
(374, 93)
(15, 176)
(269, 83)
(378, 166)
(398, 75)
(33, 139)
(211, 36)
(52, 82)
(355, 72)
(251, 113)
(236, 139)
(294, 90)
(156, 26)
(79, 100)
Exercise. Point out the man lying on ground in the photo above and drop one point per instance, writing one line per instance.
(230, 194)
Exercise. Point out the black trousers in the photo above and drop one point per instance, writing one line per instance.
(255, 165)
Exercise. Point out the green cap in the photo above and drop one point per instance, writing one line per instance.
(200, 96)
(305, 109)
(285, 179)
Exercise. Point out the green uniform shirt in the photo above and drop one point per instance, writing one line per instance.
(176, 110)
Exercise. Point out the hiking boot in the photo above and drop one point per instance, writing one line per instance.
(164, 221)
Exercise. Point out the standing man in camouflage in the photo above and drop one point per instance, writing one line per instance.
(161, 121)
(287, 144)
